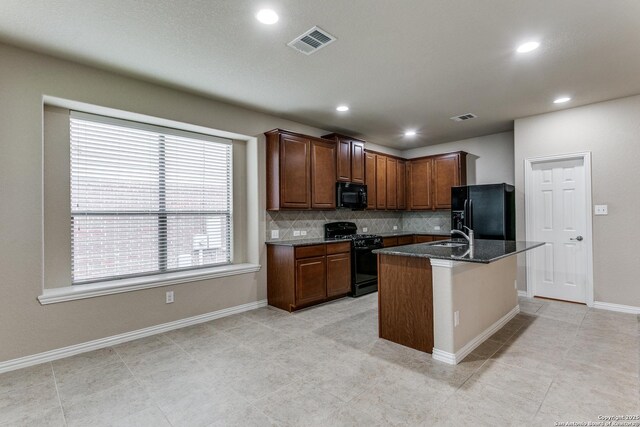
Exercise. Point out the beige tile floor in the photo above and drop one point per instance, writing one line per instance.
(326, 366)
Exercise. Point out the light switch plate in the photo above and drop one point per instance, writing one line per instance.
(395, 227)
(436, 227)
(601, 209)
(296, 233)
(364, 229)
(275, 234)
(303, 233)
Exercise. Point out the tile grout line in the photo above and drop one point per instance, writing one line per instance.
(137, 380)
(55, 383)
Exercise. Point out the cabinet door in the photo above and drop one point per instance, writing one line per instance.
(323, 172)
(446, 174)
(392, 182)
(370, 180)
(311, 284)
(381, 182)
(344, 160)
(357, 162)
(436, 238)
(401, 185)
(338, 274)
(295, 182)
(420, 184)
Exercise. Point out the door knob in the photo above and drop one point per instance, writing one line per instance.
(579, 238)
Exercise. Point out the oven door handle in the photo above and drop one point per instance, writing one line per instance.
(368, 248)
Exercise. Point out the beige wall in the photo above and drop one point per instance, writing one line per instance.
(482, 293)
(611, 132)
(26, 327)
(490, 158)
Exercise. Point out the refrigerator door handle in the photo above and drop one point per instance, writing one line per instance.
(470, 222)
(464, 213)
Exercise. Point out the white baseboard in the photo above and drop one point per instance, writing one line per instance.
(616, 307)
(60, 353)
(523, 294)
(458, 356)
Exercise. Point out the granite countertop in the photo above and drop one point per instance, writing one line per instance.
(484, 251)
(321, 240)
(410, 233)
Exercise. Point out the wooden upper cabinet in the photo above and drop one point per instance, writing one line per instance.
(420, 183)
(449, 170)
(350, 161)
(357, 162)
(381, 182)
(392, 182)
(301, 171)
(295, 161)
(323, 171)
(401, 184)
(344, 160)
(370, 179)
(429, 180)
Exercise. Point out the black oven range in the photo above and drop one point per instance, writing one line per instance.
(364, 265)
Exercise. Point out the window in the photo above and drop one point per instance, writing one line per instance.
(146, 199)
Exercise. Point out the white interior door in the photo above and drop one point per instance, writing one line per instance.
(559, 213)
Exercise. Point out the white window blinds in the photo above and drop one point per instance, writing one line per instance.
(146, 200)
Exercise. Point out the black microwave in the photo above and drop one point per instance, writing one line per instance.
(350, 195)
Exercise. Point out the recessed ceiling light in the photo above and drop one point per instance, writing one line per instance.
(410, 133)
(267, 16)
(561, 100)
(528, 47)
(342, 108)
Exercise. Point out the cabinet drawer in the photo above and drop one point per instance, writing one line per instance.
(421, 238)
(436, 238)
(388, 242)
(405, 240)
(338, 248)
(309, 251)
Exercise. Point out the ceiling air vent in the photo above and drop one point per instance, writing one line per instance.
(311, 41)
(463, 117)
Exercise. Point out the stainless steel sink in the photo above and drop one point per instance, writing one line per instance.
(448, 244)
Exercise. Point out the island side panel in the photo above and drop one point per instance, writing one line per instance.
(405, 301)
(484, 295)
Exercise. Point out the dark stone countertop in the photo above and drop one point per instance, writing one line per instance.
(411, 233)
(321, 240)
(484, 251)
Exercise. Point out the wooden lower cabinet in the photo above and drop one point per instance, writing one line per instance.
(389, 242)
(311, 280)
(301, 276)
(338, 274)
(405, 240)
(420, 238)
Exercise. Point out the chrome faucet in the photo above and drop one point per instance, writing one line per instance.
(469, 236)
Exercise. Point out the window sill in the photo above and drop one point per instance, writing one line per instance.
(71, 293)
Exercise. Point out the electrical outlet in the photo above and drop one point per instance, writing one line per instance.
(436, 227)
(456, 318)
(275, 234)
(296, 233)
(303, 233)
(169, 298)
(601, 209)
(395, 227)
(365, 229)
(515, 284)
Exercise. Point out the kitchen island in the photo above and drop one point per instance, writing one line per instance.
(447, 298)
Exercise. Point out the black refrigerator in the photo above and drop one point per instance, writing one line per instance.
(489, 210)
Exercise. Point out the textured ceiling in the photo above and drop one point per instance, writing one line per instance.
(397, 64)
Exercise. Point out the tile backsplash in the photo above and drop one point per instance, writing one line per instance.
(375, 221)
